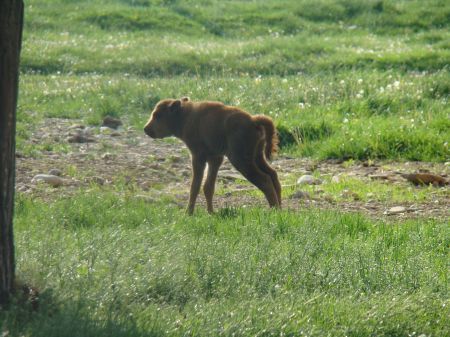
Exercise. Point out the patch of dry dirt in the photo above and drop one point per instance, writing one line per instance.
(160, 167)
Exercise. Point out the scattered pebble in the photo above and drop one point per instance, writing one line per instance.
(329, 198)
(95, 180)
(80, 138)
(22, 188)
(77, 126)
(108, 156)
(300, 195)
(335, 179)
(176, 159)
(308, 180)
(146, 185)
(111, 122)
(55, 172)
(350, 194)
(52, 180)
(395, 210)
(104, 130)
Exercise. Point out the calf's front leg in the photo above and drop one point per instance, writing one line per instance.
(198, 167)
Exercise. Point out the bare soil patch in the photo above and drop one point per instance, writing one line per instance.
(153, 169)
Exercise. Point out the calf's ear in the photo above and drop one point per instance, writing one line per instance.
(175, 105)
(185, 99)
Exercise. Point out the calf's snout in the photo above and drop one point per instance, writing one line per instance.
(149, 131)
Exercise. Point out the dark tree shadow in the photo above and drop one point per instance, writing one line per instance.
(68, 318)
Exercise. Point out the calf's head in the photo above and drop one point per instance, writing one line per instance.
(165, 118)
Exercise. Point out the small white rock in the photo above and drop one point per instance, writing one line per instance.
(50, 179)
(335, 179)
(306, 180)
(104, 130)
(396, 210)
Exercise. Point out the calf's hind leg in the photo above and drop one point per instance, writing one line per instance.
(247, 166)
(265, 167)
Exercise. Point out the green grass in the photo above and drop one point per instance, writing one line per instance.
(343, 79)
(140, 270)
(311, 65)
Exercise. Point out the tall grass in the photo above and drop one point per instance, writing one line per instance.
(141, 270)
(308, 64)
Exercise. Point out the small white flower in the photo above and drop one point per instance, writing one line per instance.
(342, 82)
(396, 84)
(360, 81)
(345, 120)
(381, 89)
(301, 105)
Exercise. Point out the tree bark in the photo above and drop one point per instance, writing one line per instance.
(11, 22)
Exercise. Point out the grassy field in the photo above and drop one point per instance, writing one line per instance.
(151, 271)
(344, 79)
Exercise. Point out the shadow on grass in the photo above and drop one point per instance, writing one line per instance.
(69, 318)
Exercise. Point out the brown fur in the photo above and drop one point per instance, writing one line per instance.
(212, 130)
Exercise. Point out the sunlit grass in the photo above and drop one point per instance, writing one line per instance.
(150, 268)
(356, 115)
(344, 79)
(374, 74)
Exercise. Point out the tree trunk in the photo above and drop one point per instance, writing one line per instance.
(11, 22)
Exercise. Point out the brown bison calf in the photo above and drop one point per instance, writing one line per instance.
(211, 130)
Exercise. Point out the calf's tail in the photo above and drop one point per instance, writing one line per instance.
(270, 132)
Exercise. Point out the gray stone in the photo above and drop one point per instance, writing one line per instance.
(350, 194)
(108, 156)
(95, 180)
(104, 130)
(77, 126)
(308, 180)
(300, 195)
(80, 138)
(396, 210)
(52, 180)
(55, 172)
(111, 122)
